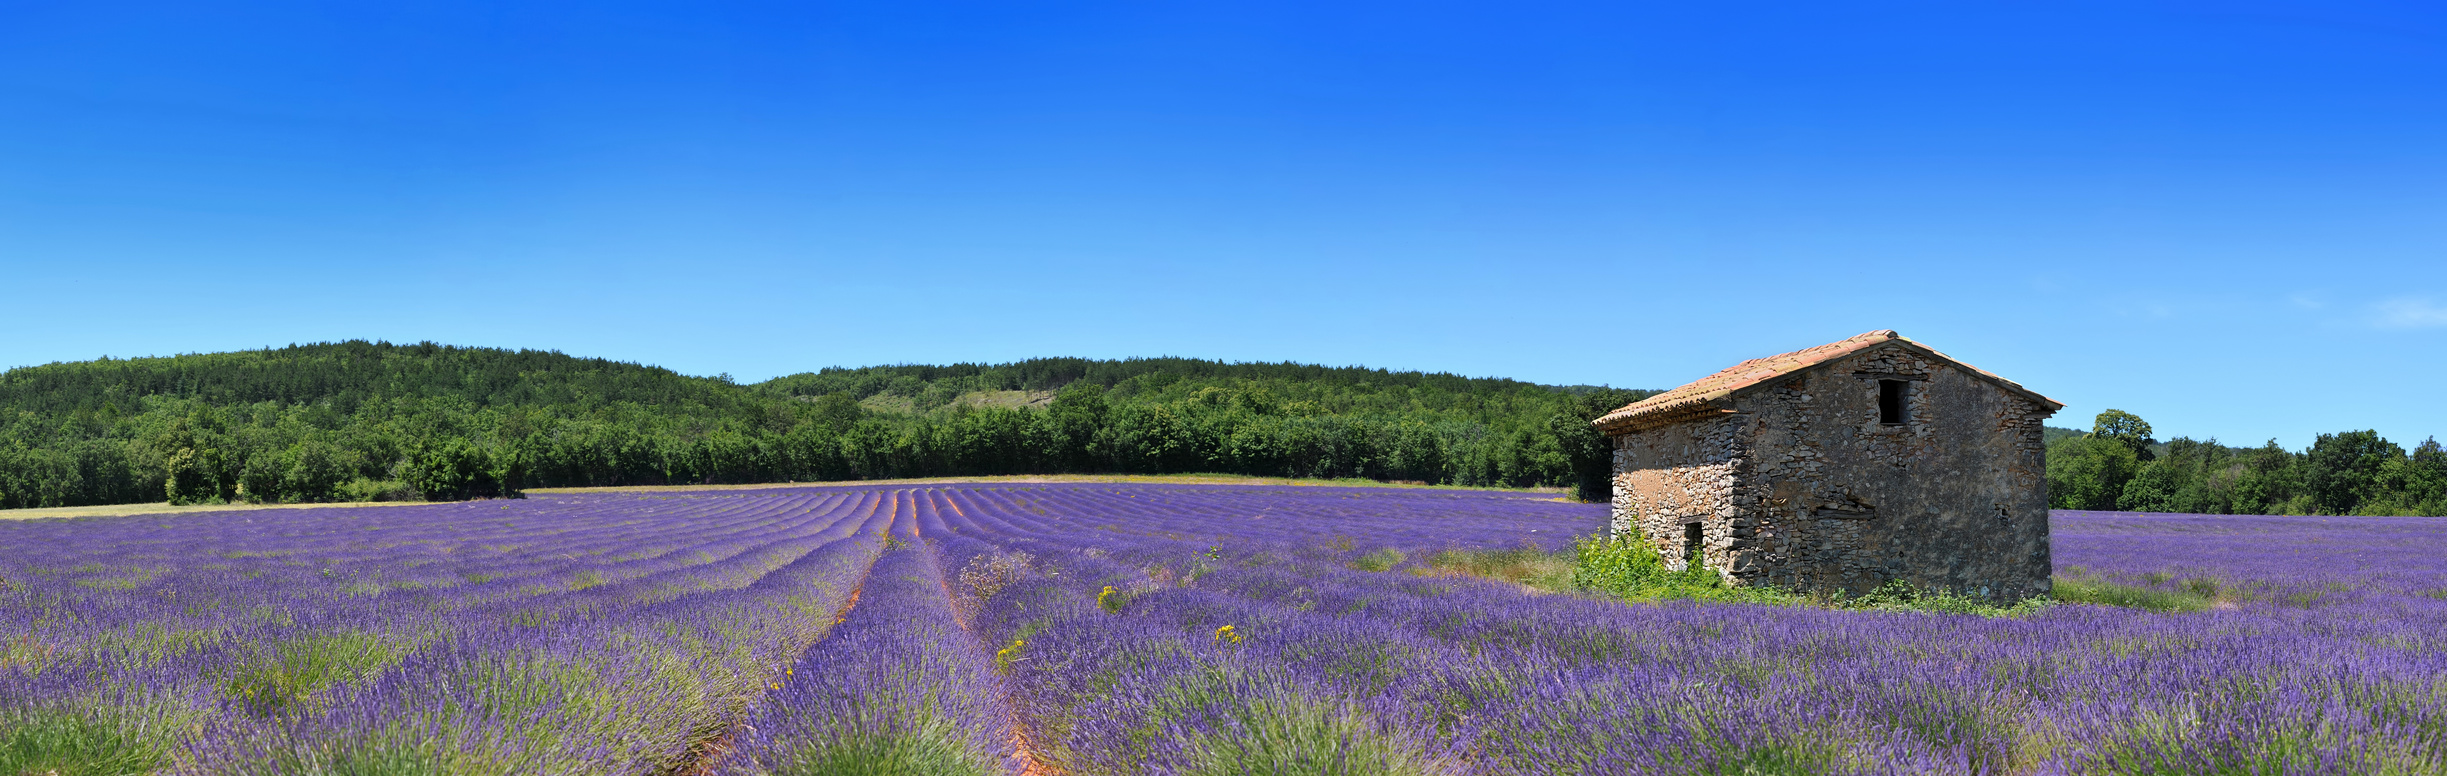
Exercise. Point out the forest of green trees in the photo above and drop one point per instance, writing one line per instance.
(374, 421)
(359, 421)
(2118, 466)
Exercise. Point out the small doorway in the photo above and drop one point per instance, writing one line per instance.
(1693, 555)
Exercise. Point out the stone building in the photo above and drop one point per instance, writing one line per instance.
(1841, 467)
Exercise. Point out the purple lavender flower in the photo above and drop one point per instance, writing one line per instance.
(1092, 628)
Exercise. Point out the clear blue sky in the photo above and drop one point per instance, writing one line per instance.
(2229, 218)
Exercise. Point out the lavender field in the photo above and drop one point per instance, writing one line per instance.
(1089, 628)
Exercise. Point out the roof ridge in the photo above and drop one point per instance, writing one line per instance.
(1703, 396)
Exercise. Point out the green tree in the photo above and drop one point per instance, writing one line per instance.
(2426, 479)
(2089, 472)
(2343, 471)
(2126, 429)
(838, 411)
(453, 469)
(2183, 480)
(2156, 486)
(197, 465)
(1073, 421)
(2269, 482)
(1589, 452)
(314, 470)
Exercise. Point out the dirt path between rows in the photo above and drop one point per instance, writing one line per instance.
(702, 758)
(1021, 747)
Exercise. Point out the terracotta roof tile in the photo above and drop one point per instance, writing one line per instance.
(1706, 396)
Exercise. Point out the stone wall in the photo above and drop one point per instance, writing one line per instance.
(1800, 485)
(1668, 476)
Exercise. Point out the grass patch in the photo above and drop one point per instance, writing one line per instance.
(1279, 734)
(147, 643)
(1774, 760)
(1379, 560)
(1900, 595)
(586, 579)
(1625, 568)
(2172, 745)
(64, 743)
(1229, 723)
(25, 652)
(1528, 567)
(2097, 590)
(932, 747)
(2305, 599)
(368, 758)
(295, 670)
(1631, 569)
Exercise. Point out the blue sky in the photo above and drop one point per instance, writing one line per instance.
(2229, 218)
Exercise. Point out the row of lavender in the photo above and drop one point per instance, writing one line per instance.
(1124, 629)
(2295, 560)
(605, 635)
(1219, 631)
(1208, 632)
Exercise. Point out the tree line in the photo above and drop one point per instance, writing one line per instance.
(376, 421)
(2118, 466)
(360, 421)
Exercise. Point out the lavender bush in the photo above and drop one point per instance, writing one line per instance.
(1103, 628)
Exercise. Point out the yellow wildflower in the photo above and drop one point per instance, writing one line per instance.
(1003, 658)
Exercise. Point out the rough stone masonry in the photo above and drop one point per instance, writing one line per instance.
(1842, 467)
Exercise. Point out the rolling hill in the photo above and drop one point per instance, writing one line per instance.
(371, 421)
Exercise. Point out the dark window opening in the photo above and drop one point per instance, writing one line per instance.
(1890, 400)
(1690, 545)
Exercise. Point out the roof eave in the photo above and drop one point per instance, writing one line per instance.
(1708, 403)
